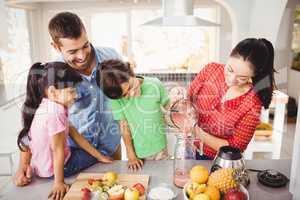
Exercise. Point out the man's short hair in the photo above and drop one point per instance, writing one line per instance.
(65, 25)
(111, 75)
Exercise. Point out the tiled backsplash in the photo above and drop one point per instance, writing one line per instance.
(173, 80)
(171, 77)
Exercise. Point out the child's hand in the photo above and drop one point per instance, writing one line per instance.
(58, 191)
(23, 176)
(135, 164)
(105, 159)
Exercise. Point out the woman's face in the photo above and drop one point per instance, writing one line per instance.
(238, 72)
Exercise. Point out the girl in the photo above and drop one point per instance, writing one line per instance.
(50, 91)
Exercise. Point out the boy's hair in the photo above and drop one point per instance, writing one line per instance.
(40, 77)
(65, 25)
(111, 74)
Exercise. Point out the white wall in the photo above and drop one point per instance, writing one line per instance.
(3, 37)
(271, 19)
(225, 36)
(265, 18)
(295, 173)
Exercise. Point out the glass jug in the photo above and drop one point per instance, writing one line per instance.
(182, 115)
(184, 152)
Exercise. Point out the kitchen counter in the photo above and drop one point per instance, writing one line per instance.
(159, 171)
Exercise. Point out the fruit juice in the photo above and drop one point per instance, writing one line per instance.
(181, 177)
(183, 116)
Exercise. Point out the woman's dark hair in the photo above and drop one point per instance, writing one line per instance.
(260, 53)
(40, 77)
(111, 74)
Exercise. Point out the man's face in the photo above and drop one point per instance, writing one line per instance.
(76, 52)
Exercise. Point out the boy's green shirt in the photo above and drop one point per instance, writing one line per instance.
(144, 117)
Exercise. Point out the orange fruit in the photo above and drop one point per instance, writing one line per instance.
(212, 192)
(201, 197)
(199, 174)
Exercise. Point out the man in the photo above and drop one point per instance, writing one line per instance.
(91, 114)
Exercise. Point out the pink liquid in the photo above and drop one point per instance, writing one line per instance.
(184, 121)
(181, 177)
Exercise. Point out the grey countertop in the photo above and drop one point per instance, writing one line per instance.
(160, 172)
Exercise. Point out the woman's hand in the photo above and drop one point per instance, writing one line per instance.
(135, 164)
(208, 139)
(198, 133)
(58, 191)
(105, 159)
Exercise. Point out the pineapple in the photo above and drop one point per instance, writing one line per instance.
(223, 179)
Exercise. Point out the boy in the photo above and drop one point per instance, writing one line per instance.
(136, 103)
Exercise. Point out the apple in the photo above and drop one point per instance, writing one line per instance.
(116, 192)
(110, 178)
(234, 194)
(86, 194)
(131, 194)
(85, 190)
(139, 187)
(201, 197)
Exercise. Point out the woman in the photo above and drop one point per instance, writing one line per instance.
(229, 97)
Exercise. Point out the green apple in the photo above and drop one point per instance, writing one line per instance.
(131, 194)
(201, 197)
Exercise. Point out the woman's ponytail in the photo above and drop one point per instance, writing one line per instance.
(260, 53)
(263, 80)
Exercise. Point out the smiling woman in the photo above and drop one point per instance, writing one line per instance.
(229, 97)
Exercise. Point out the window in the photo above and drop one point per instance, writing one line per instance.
(16, 59)
(156, 48)
(109, 29)
(172, 48)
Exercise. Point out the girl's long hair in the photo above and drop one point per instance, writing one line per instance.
(40, 77)
(260, 53)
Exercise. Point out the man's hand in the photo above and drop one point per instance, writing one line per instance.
(135, 164)
(105, 159)
(23, 176)
(58, 191)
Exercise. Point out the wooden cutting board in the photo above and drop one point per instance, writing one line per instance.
(124, 179)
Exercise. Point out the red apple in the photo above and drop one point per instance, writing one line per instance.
(139, 187)
(235, 194)
(86, 194)
(85, 190)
